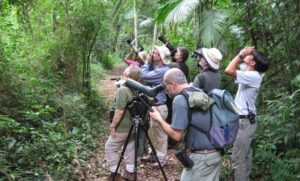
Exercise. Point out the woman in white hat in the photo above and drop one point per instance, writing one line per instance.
(210, 77)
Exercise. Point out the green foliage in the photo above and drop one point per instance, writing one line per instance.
(59, 135)
(48, 127)
(277, 139)
(164, 10)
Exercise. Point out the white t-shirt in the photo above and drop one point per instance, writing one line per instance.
(249, 84)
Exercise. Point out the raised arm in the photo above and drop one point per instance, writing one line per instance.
(237, 60)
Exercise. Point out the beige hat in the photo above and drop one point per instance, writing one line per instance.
(212, 55)
(164, 53)
(143, 55)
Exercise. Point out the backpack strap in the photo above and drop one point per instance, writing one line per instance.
(186, 96)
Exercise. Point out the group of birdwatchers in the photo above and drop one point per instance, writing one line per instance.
(168, 117)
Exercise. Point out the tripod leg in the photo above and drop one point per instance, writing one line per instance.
(154, 153)
(136, 148)
(123, 151)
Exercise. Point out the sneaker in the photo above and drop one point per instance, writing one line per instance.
(156, 165)
(148, 158)
(128, 176)
(111, 177)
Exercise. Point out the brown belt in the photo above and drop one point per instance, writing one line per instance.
(204, 151)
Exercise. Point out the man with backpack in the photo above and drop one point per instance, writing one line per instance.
(205, 157)
(249, 82)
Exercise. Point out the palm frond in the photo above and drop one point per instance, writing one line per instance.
(182, 11)
(164, 11)
(212, 26)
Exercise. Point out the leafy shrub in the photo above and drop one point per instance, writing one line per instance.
(276, 153)
(60, 135)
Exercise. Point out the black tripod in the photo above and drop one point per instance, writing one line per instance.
(137, 115)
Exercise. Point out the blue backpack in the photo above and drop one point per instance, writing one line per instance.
(224, 118)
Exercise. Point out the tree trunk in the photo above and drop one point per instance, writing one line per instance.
(154, 35)
(135, 24)
(116, 24)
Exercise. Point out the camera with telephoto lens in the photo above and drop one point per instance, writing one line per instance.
(168, 45)
(162, 39)
(131, 43)
(184, 159)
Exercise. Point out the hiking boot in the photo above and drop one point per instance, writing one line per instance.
(111, 176)
(128, 176)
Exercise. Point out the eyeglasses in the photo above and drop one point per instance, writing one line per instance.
(166, 84)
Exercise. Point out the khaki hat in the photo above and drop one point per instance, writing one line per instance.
(143, 55)
(212, 55)
(164, 53)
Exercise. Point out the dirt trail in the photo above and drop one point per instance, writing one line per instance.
(97, 169)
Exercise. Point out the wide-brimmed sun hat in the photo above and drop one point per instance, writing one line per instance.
(164, 53)
(212, 55)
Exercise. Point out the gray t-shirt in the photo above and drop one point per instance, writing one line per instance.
(195, 138)
(249, 84)
(208, 80)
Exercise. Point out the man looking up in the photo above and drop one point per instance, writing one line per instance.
(249, 82)
(210, 77)
(152, 76)
(181, 55)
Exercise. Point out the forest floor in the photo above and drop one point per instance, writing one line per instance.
(97, 169)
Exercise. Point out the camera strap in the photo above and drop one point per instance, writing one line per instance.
(248, 108)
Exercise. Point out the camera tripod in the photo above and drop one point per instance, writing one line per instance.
(138, 122)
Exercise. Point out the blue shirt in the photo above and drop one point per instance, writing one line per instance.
(153, 76)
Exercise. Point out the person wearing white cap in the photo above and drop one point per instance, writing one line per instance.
(209, 61)
(153, 73)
